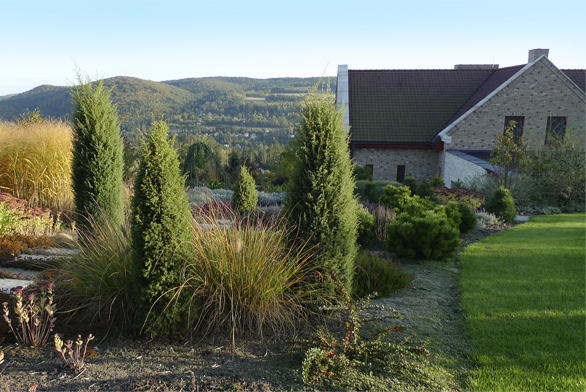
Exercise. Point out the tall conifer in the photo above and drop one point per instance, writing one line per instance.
(320, 197)
(97, 154)
(161, 235)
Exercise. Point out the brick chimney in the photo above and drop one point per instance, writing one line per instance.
(535, 53)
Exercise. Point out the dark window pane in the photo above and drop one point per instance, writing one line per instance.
(556, 128)
(516, 125)
(400, 173)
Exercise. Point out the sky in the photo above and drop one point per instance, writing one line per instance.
(46, 42)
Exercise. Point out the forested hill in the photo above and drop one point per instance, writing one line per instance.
(225, 108)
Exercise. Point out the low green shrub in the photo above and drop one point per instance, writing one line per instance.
(379, 185)
(362, 173)
(411, 183)
(270, 199)
(469, 219)
(502, 205)
(395, 197)
(429, 235)
(424, 189)
(486, 219)
(374, 274)
(399, 200)
(437, 181)
(366, 227)
(453, 213)
(370, 192)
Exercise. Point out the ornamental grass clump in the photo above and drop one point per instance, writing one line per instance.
(246, 277)
(34, 310)
(96, 283)
(382, 217)
(376, 275)
(35, 163)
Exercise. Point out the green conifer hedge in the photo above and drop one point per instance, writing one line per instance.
(161, 236)
(320, 200)
(244, 199)
(97, 164)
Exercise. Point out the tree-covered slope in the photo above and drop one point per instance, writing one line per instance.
(226, 107)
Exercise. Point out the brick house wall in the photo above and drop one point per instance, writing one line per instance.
(539, 92)
(421, 163)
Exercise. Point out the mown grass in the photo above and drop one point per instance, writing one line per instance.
(523, 297)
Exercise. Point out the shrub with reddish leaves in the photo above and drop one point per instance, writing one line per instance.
(470, 197)
(16, 217)
(349, 362)
(214, 209)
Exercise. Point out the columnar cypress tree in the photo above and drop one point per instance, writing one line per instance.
(97, 162)
(320, 199)
(161, 233)
(245, 198)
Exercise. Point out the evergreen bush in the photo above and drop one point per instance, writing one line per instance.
(361, 186)
(424, 189)
(374, 274)
(453, 213)
(362, 173)
(399, 200)
(161, 236)
(97, 164)
(437, 181)
(411, 183)
(366, 227)
(502, 205)
(319, 199)
(395, 197)
(245, 198)
(430, 235)
(469, 219)
(370, 192)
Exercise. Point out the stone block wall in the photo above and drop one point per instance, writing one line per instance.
(538, 93)
(420, 163)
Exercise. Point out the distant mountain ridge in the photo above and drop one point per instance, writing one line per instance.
(176, 100)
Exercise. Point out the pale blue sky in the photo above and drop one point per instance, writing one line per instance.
(42, 42)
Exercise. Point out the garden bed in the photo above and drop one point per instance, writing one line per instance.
(117, 361)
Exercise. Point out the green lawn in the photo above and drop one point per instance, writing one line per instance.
(523, 297)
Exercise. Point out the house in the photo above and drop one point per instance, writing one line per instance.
(445, 122)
